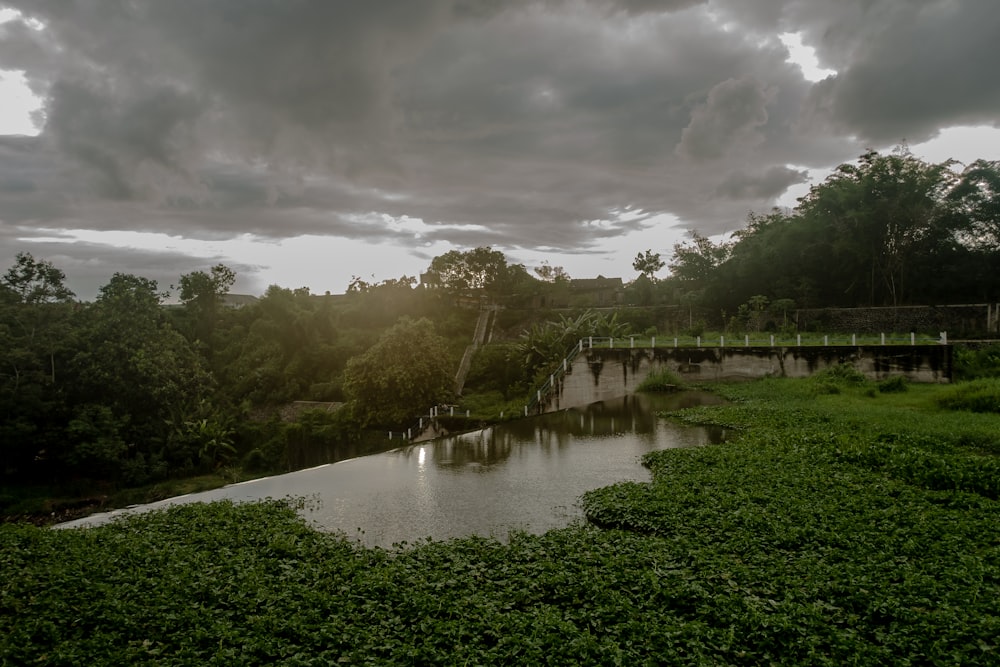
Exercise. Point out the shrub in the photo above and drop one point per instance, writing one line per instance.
(662, 380)
(977, 396)
(894, 385)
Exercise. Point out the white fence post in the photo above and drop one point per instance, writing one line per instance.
(611, 342)
(722, 341)
(826, 341)
(854, 339)
(883, 339)
(772, 340)
(746, 341)
(944, 337)
(675, 342)
(798, 340)
(699, 341)
(590, 342)
(652, 342)
(913, 338)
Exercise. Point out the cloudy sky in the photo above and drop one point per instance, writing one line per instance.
(302, 142)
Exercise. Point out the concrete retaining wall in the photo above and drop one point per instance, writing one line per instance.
(602, 374)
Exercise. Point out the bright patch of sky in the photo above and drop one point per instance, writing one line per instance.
(804, 56)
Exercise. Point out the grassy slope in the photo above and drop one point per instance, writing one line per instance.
(823, 534)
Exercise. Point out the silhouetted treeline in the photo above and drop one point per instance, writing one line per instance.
(889, 230)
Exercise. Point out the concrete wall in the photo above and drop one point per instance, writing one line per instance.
(602, 374)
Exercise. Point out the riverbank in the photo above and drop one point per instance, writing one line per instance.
(843, 523)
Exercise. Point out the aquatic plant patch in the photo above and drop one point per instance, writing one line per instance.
(801, 542)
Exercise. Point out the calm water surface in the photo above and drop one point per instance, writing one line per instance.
(522, 475)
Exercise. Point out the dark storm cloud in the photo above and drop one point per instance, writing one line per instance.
(727, 121)
(765, 184)
(906, 68)
(521, 123)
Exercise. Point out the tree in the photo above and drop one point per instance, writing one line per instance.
(35, 313)
(408, 370)
(202, 295)
(694, 263)
(133, 362)
(551, 274)
(648, 264)
(478, 269)
(36, 336)
(871, 220)
(35, 281)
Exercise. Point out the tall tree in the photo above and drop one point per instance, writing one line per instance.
(132, 362)
(36, 315)
(871, 219)
(648, 264)
(202, 295)
(479, 269)
(408, 370)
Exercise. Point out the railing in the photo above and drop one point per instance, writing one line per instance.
(761, 340)
(690, 342)
(722, 341)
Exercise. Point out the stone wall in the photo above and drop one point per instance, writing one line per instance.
(603, 374)
(959, 320)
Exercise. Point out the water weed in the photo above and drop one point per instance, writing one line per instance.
(833, 529)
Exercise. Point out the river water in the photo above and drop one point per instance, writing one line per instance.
(521, 475)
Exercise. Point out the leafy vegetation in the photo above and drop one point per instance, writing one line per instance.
(886, 230)
(982, 395)
(822, 533)
(661, 381)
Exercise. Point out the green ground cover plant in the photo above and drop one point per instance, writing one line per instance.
(856, 527)
(662, 381)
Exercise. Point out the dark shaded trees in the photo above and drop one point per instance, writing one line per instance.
(408, 370)
(887, 230)
(36, 333)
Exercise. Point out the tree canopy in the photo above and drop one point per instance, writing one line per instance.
(887, 230)
(407, 371)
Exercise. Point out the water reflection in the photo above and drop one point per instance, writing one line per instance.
(523, 475)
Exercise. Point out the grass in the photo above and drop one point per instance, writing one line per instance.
(847, 527)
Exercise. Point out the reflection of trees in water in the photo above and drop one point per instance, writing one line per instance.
(301, 455)
(487, 447)
(631, 414)
(637, 414)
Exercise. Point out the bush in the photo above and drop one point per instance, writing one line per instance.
(973, 363)
(841, 375)
(661, 381)
(977, 396)
(894, 385)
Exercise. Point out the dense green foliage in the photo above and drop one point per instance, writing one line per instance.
(129, 391)
(886, 230)
(408, 366)
(824, 532)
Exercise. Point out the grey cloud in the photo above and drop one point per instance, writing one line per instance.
(508, 123)
(727, 121)
(934, 70)
(757, 185)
